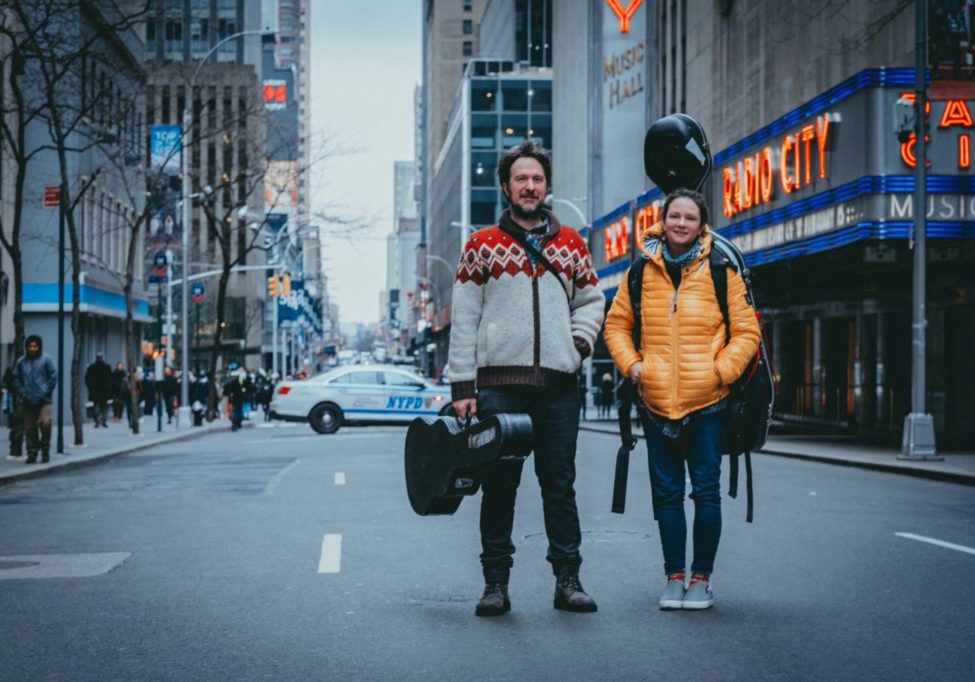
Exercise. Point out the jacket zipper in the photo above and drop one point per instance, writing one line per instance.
(536, 315)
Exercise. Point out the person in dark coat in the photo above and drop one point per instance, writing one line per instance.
(120, 386)
(238, 389)
(170, 392)
(101, 386)
(35, 379)
(605, 395)
(15, 415)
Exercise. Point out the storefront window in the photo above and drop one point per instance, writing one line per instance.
(484, 95)
(514, 129)
(484, 131)
(514, 95)
(483, 167)
(540, 128)
(540, 93)
(484, 207)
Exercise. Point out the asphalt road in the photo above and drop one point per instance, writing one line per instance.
(274, 553)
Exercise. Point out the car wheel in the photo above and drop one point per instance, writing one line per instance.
(325, 418)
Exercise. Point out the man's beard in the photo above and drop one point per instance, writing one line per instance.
(521, 213)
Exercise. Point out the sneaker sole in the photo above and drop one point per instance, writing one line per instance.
(697, 605)
(670, 605)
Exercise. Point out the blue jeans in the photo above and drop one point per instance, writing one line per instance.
(555, 426)
(700, 443)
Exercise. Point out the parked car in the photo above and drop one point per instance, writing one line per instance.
(359, 394)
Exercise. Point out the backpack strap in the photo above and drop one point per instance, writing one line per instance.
(627, 395)
(719, 276)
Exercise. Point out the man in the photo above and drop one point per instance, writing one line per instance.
(101, 387)
(170, 392)
(35, 379)
(15, 416)
(519, 333)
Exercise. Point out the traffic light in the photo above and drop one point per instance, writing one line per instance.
(273, 286)
(285, 285)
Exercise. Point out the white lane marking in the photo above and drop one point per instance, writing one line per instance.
(339, 478)
(273, 483)
(934, 541)
(59, 565)
(331, 559)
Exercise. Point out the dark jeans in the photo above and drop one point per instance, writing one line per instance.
(37, 428)
(101, 412)
(16, 422)
(555, 424)
(700, 443)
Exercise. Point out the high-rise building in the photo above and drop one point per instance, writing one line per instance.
(499, 101)
(226, 158)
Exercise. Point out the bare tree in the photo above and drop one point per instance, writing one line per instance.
(54, 59)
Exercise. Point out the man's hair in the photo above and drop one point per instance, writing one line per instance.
(696, 197)
(529, 149)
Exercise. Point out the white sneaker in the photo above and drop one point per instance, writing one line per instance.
(673, 596)
(698, 596)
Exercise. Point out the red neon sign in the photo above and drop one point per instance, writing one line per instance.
(624, 14)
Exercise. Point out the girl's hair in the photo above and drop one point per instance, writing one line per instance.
(696, 197)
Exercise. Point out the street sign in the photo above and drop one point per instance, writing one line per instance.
(52, 196)
(196, 292)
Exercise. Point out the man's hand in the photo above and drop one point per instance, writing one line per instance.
(466, 407)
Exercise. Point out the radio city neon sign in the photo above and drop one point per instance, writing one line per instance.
(786, 166)
(624, 14)
(616, 236)
(955, 113)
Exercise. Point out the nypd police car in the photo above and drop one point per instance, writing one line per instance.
(359, 394)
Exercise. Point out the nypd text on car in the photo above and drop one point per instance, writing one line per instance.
(359, 394)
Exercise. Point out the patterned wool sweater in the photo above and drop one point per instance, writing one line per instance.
(512, 323)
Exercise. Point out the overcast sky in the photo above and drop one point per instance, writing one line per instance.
(365, 63)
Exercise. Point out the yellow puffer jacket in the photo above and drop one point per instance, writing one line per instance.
(686, 364)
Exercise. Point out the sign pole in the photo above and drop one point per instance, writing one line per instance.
(60, 443)
(274, 335)
(918, 442)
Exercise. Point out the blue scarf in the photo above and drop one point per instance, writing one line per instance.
(681, 261)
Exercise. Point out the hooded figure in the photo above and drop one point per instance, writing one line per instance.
(35, 379)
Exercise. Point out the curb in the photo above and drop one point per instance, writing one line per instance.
(904, 470)
(70, 463)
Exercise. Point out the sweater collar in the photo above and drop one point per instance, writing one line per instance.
(506, 222)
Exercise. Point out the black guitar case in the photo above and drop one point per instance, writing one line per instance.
(441, 456)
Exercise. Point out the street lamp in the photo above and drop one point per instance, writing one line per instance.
(183, 416)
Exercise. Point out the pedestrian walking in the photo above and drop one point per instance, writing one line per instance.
(119, 382)
(524, 318)
(34, 379)
(605, 395)
(169, 392)
(12, 406)
(237, 389)
(101, 387)
(682, 372)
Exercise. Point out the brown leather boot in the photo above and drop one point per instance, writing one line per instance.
(494, 601)
(569, 595)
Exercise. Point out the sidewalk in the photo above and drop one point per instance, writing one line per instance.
(100, 445)
(957, 467)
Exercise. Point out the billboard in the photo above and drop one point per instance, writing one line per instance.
(281, 187)
(164, 149)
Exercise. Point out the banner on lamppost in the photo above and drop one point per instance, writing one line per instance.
(165, 146)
